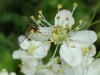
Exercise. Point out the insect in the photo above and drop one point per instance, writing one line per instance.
(31, 30)
(36, 33)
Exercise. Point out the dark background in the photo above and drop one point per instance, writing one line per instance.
(15, 18)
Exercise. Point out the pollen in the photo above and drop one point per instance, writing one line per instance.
(39, 16)
(73, 46)
(81, 21)
(40, 11)
(50, 67)
(86, 67)
(75, 4)
(58, 17)
(77, 28)
(39, 21)
(66, 18)
(59, 70)
(58, 34)
(59, 6)
(32, 17)
(31, 49)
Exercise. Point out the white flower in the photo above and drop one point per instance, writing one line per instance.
(4, 72)
(72, 70)
(93, 68)
(34, 49)
(72, 40)
(42, 35)
(29, 66)
(63, 18)
(51, 68)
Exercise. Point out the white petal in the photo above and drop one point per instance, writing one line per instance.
(84, 38)
(36, 43)
(87, 60)
(12, 73)
(31, 62)
(94, 68)
(63, 14)
(41, 51)
(23, 42)
(66, 68)
(91, 52)
(3, 72)
(43, 72)
(28, 70)
(72, 56)
(44, 34)
(72, 70)
(18, 54)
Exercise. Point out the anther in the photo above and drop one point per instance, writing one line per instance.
(66, 18)
(40, 12)
(77, 28)
(32, 17)
(75, 4)
(39, 16)
(58, 17)
(90, 48)
(86, 67)
(59, 70)
(50, 67)
(39, 21)
(80, 21)
(59, 6)
(73, 46)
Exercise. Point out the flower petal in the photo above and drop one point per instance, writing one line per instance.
(72, 70)
(41, 51)
(72, 56)
(63, 15)
(84, 38)
(94, 68)
(91, 52)
(44, 34)
(23, 42)
(18, 54)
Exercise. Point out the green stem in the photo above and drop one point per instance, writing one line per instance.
(97, 7)
(97, 56)
(95, 22)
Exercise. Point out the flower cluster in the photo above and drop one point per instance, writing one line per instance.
(76, 54)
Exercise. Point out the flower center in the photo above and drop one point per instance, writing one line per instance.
(58, 34)
(31, 49)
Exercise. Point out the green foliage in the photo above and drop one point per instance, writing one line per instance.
(15, 18)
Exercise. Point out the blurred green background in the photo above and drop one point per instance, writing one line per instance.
(15, 18)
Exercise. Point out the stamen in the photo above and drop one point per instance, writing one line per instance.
(40, 11)
(59, 70)
(41, 17)
(86, 67)
(67, 19)
(74, 7)
(39, 21)
(50, 67)
(59, 7)
(55, 52)
(80, 25)
(32, 17)
(58, 17)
